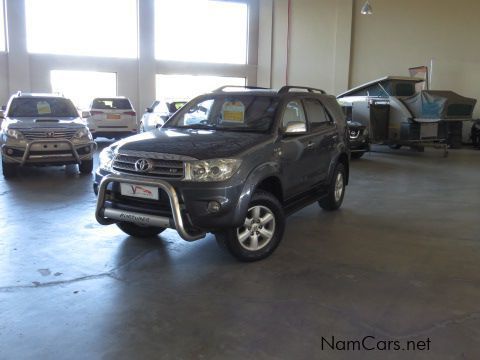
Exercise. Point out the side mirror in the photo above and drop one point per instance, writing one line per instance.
(295, 128)
(2, 114)
(86, 114)
(4, 107)
(149, 110)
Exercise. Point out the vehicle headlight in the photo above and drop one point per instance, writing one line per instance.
(15, 134)
(211, 170)
(83, 134)
(106, 158)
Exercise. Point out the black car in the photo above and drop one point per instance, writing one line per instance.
(476, 134)
(233, 162)
(358, 139)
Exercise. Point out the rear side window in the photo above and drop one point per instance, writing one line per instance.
(42, 107)
(316, 113)
(111, 104)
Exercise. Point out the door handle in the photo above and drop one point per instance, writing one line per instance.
(310, 145)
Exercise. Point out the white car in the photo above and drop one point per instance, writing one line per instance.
(112, 117)
(159, 112)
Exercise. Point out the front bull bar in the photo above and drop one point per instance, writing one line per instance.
(108, 216)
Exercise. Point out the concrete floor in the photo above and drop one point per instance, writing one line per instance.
(400, 261)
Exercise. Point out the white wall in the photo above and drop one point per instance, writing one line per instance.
(402, 34)
(319, 54)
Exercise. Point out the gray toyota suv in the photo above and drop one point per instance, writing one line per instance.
(44, 129)
(233, 162)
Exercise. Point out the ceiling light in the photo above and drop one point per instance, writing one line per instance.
(366, 9)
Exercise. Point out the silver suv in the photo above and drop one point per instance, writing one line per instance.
(44, 129)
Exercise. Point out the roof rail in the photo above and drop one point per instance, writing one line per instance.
(286, 89)
(222, 88)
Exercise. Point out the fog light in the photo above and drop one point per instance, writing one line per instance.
(10, 151)
(213, 207)
(86, 149)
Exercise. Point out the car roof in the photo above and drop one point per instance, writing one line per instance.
(33, 95)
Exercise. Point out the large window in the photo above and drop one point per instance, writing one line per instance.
(83, 86)
(104, 28)
(185, 87)
(2, 27)
(201, 31)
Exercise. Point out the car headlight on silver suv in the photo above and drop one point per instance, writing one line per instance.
(211, 170)
(106, 158)
(14, 134)
(83, 134)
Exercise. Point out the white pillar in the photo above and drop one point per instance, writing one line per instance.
(17, 57)
(146, 54)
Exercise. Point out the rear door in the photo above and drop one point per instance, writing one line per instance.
(323, 136)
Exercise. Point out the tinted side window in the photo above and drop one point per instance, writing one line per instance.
(316, 113)
(293, 113)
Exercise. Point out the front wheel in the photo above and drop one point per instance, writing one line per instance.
(336, 190)
(261, 231)
(86, 166)
(139, 231)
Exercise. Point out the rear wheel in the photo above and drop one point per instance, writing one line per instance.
(336, 190)
(9, 169)
(261, 231)
(86, 166)
(139, 231)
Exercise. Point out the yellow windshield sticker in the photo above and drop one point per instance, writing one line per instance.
(43, 107)
(233, 111)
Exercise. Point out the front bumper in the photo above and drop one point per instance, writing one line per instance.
(46, 151)
(359, 145)
(184, 207)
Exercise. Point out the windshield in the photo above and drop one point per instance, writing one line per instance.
(111, 104)
(226, 112)
(42, 107)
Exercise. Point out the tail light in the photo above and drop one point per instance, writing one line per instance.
(96, 112)
(131, 113)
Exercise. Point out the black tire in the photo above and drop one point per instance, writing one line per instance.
(333, 200)
(394, 146)
(9, 169)
(357, 155)
(139, 231)
(229, 239)
(86, 166)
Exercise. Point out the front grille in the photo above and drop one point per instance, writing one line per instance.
(41, 134)
(170, 169)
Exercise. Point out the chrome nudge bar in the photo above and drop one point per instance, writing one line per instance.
(107, 216)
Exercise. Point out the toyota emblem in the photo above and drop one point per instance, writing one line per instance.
(50, 134)
(143, 165)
